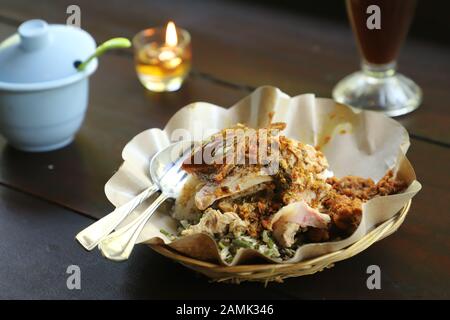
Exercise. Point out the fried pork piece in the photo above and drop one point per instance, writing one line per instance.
(344, 203)
(214, 222)
(223, 151)
(353, 187)
(214, 168)
(390, 185)
(345, 212)
(365, 189)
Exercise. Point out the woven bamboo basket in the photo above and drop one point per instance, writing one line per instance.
(278, 272)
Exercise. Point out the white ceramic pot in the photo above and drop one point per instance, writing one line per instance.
(43, 98)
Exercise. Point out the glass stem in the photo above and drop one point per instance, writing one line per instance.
(379, 70)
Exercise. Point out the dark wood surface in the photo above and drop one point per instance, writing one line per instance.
(249, 45)
(235, 50)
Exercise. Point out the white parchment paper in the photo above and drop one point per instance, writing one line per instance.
(365, 143)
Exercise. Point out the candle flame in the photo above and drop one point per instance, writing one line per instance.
(171, 34)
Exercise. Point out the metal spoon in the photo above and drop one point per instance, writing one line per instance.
(92, 235)
(166, 173)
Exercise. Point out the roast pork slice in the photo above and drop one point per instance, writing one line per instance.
(302, 214)
(289, 219)
(234, 185)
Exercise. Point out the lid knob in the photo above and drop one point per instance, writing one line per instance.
(33, 34)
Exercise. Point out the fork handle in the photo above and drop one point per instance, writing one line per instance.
(119, 244)
(92, 235)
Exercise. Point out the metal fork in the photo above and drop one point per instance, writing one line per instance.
(119, 244)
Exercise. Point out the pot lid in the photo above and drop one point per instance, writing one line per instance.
(40, 52)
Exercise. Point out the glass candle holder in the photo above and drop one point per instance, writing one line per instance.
(162, 57)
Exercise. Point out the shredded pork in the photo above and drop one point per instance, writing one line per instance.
(281, 203)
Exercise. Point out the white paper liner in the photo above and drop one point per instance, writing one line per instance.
(365, 143)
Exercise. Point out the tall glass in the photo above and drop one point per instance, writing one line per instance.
(380, 27)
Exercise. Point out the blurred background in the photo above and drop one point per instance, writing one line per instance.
(431, 21)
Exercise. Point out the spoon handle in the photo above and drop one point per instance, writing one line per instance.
(92, 235)
(114, 43)
(119, 244)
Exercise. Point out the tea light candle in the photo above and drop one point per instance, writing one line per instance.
(162, 57)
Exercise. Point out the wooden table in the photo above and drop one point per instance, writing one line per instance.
(46, 198)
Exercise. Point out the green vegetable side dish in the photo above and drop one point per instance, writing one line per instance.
(242, 243)
(115, 43)
(229, 244)
(168, 234)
